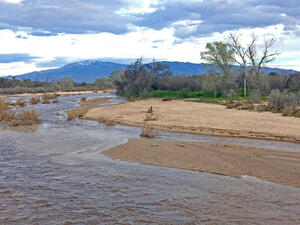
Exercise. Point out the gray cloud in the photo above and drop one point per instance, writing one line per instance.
(68, 16)
(46, 18)
(222, 15)
(10, 58)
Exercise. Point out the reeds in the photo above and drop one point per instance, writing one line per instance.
(47, 97)
(76, 113)
(34, 100)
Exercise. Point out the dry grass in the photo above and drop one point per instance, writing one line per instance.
(4, 112)
(147, 132)
(76, 113)
(166, 99)
(28, 117)
(151, 117)
(290, 110)
(4, 105)
(21, 102)
(106, 121)
(47, 97)
(34, 100)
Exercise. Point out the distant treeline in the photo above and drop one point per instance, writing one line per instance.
(140, 79)
(15, 86)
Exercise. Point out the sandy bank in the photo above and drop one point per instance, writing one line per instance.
(94, 102)
(201, 118)
(232, 160)
(58, 92)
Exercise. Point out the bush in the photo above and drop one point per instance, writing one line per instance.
(150, 117)
(277, 100)
(28, 117)
(4, 105)
(47, 97)
(147, 132)
(21, 102)
(165, 99)
(290, 110)
(254, 96)
(34, 100)
(76, 113)
(184, 92)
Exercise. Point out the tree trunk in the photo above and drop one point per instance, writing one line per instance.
(245, 86)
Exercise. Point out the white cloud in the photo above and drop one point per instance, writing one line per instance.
(18, 68)
(11, 1)
(140, 42)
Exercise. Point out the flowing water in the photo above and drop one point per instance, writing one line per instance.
(57, 175)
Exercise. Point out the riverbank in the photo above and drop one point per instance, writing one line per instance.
(219, 158)
(200, 118)
(63, 93)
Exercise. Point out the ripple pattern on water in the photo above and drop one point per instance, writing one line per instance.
(57, 175)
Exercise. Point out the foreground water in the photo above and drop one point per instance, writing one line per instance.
(57, 175)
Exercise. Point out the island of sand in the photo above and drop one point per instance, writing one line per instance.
(219, 158)
(225, 159)
(200, 118)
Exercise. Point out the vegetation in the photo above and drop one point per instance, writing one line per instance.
(246, 84)
(15, 86)
(34, 100)
(76, 113)
(13, 119)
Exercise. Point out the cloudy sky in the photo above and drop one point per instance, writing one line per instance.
(41, 34)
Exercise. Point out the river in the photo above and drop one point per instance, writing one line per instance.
(57, 175)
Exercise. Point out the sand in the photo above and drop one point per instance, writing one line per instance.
(94, 102)
(58, 92)
(201, 118)
(219, 158)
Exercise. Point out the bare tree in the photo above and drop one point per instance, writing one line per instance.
(257, 60)
(241, 57)
(248, 58)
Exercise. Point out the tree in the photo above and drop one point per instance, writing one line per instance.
(257, 61)
(219, 54)
(139, 78)
(66, 83)
(212, 83)
(102, 83)
(248, 57)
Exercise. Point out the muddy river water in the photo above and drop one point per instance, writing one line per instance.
(57, 175)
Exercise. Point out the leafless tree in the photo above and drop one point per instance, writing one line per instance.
(248, 57)
(241, 56)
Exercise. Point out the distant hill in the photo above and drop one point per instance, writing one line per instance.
(84, 71)
(90, 70)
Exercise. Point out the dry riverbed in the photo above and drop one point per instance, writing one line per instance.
(200, 118)
(219, 158)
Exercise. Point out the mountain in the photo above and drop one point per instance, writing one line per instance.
(90, 70)
(84, 71)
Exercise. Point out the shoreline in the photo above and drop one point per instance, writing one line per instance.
(218, 158)
(57, 92)
(200, 118)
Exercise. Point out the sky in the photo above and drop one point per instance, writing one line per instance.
(42, 34)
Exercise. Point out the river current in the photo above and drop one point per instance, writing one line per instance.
(58, 175)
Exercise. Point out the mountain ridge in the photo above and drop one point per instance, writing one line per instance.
(90, 70)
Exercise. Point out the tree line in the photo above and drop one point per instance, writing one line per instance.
(139, 78)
